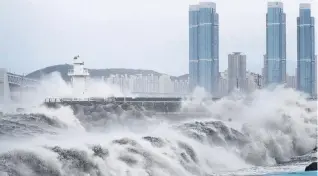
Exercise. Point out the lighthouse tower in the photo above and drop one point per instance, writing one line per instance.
(78, 76)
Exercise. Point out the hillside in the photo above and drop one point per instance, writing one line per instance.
(63, 69)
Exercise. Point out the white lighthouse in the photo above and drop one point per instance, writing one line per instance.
(78, 75)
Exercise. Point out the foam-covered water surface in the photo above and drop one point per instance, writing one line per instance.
(268, 131)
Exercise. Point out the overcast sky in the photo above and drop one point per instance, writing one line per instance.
(146, 34)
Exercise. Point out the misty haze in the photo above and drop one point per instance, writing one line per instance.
(158, 88)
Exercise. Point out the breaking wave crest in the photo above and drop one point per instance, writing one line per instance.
(260, 129)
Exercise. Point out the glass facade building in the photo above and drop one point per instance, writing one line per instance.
(193, 46)
(204, 46)
(306, 66)
(275, 44)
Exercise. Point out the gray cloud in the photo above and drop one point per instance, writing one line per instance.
(150, 34)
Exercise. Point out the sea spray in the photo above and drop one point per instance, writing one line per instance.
(259, 129)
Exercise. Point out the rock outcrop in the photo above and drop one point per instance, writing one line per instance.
(311, 167)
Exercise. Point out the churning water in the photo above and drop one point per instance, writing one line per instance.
(267, 131)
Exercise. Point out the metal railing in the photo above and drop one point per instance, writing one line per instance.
(125, 99)
(84, 72)
(157, 94)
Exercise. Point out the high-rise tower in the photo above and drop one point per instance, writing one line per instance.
(204, 46)
(306, 72)
(193, 46)
(237, 71)
(275, 44)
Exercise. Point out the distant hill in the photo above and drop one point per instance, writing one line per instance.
(63, 69)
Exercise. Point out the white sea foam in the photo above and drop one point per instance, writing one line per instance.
(275, 124)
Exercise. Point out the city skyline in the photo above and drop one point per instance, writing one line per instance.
(45, 38)
(204, 50)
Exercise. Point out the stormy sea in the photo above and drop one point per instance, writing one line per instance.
(265, 132)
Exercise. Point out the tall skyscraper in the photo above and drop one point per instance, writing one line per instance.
(315, 80)
(306, 76)
(193, 46)
(204, 46)
(264, 69)
(236, 71)
(275, 44)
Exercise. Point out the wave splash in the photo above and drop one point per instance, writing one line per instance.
(261, 129)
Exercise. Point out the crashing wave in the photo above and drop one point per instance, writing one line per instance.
(264, 128)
